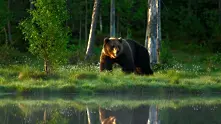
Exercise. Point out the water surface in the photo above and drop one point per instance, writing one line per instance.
(117, 109)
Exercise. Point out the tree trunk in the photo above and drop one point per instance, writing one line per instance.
(158, 4)
(101, 26)
(151, 31)
(47, 66)
(153, 115)
(80, 29)
(9, 33)
(86, 34)
(31, 4)
(9, 24)
(6, 36)
(118, 25)
(90, 117)
(45, 117)
(79, 118)
(68, 10)
(92, 29)
(112, 19)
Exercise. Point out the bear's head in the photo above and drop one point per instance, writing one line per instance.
(112, 47)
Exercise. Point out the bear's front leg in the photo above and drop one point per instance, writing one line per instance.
(127, 65)
(106, 63)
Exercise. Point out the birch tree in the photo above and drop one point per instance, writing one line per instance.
(158, 6)
(112, 19)
(92, 29)
(91, 116)
(153, 115)
(45, 32)
(153, 31)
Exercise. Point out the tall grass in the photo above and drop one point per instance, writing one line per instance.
(88, 79)
(184, 72)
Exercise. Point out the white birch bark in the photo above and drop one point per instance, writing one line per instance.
(90, 116)
(158, 6)
(153, 115)
(153, 31)
(92, 29)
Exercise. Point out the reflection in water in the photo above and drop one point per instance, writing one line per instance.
(104, 120)
(78, 112)
(153, 115)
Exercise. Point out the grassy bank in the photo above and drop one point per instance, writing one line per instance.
(186, 72)
(187, 78)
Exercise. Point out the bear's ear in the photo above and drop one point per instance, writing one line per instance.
(106, 40)
(120, 39)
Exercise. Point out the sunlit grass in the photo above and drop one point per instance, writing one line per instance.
(199, 75)
(26, 80)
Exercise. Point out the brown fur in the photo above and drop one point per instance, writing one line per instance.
(112, 49)
(109, 120)
(130, 55)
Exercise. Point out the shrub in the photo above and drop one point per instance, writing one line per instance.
(165, 53)
(45, 32)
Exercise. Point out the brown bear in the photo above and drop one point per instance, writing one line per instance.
(129, 54)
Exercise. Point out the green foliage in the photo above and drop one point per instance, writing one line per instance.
(215, 58)
(182, 20)
(165, 53)
(133, 12)
(3, 14)
(46, 32)
(77, 54)
(9, 55)
(56, 118)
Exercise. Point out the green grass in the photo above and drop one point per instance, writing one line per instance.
(186, 73)
(76, 79)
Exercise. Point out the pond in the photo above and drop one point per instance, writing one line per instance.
(109, 109)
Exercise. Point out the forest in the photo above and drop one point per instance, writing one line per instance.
(182, 21)
(35, 31)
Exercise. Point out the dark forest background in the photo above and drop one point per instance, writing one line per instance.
(184, 21)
